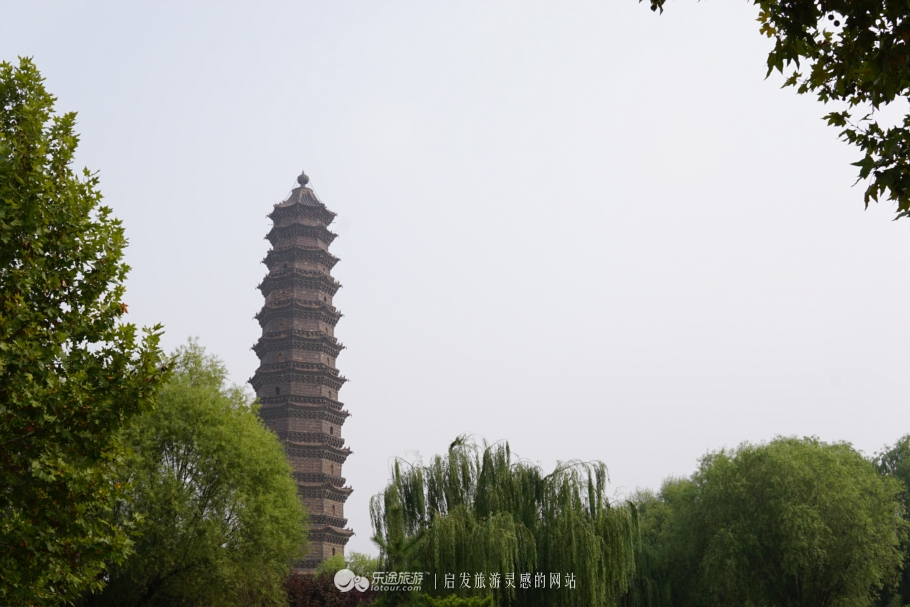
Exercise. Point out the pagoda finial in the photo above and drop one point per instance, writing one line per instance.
(303, 179)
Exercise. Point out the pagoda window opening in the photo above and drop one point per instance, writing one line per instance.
(333, 552)
(331, 468)
(331, 430)
(277, 390)
(333, 509)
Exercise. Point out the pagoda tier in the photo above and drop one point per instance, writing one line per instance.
(297, 382)
(302, 235)
(293, 405)
(311, 341)
(284, 281)
(295, 253)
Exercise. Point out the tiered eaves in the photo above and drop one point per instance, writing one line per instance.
(297, 381)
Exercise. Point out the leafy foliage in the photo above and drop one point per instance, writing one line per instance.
(894, 462)
(70, 374)
(793, 522)
(650, 585)
(856, 52)
(478, 510)
(362, 564)
(223, 520)
(332, 565)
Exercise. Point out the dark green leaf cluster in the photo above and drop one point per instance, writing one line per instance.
(478, 510)
(856, 52)
(222, 520)
(70, 373)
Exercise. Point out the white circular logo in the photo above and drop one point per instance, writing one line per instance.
(345, 579)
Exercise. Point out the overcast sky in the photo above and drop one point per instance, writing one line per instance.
(590, 230)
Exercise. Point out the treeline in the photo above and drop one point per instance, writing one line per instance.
(794, 522)
(791, 522)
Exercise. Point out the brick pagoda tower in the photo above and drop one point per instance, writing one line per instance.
(297, 382)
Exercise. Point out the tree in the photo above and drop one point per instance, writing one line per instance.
(894, 462)
(856, 53)
(362, 564)
(793, 522)
(222, 518)
(479, 510)
(650, 585)
(70, 373)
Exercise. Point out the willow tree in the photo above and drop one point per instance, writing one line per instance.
(487, 519)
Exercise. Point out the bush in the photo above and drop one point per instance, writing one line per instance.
(320, 591)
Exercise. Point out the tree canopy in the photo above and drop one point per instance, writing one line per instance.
(222, 520)
(71, 374)
(894, 462)
(855, 53)
(477, 510)
(792, 522)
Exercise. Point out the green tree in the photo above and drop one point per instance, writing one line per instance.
(70, 373)
(477, 510)
(856, 53)
(894, 462)
(650, 586)
(793, 522)
(362, 564)
(223, 522)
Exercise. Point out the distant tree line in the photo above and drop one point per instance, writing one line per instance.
(791, 522)
(794, 522)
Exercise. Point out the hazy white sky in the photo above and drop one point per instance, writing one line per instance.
(582, 227)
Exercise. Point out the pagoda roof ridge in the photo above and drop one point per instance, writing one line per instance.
(319, 368)
(302, 229)
(318, 376)
(329, 486)
(312, 304)
(304, 247)
(342, 451)
(272, 337)
(282, 272)
(331, 529)
(313, 335)
(285, 274)
(304, 196)
(285, 407)
(298, 250)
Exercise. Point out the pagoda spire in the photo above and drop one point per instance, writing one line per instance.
(297, 381)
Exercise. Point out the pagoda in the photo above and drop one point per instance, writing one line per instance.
(297, 381)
